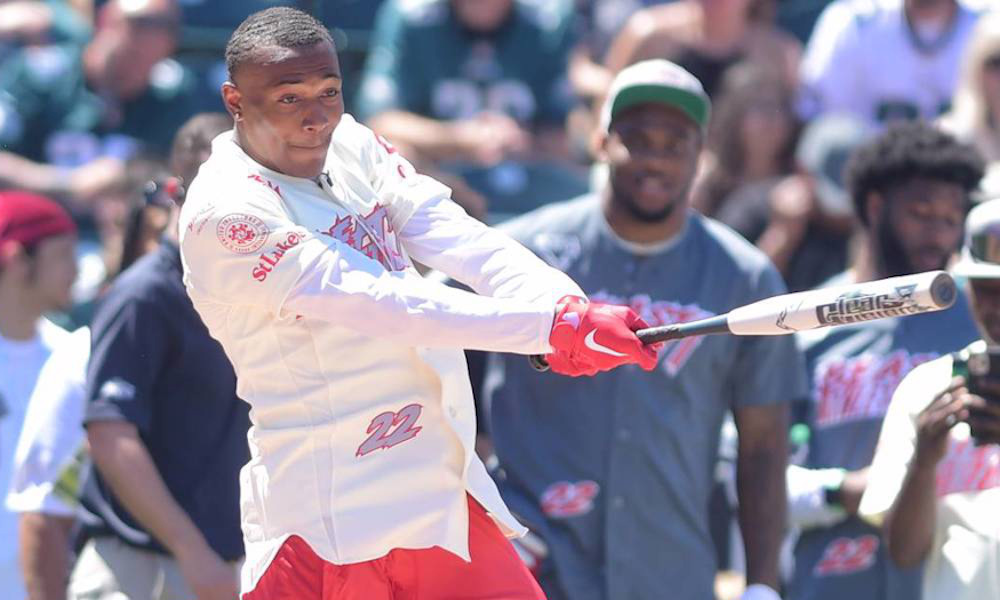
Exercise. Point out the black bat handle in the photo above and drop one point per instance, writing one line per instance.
(665, 333)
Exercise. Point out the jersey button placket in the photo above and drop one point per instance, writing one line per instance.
(617, 521)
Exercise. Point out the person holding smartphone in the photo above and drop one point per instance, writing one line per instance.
(934, 485)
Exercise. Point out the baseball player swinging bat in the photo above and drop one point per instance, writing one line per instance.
(826, 307)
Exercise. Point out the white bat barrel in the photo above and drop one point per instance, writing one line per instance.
(842, 305)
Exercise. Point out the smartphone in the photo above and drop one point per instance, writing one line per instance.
(981, 371)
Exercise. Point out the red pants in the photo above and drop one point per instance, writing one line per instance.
(495, 573)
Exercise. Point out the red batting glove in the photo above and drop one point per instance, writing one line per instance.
(589, 337)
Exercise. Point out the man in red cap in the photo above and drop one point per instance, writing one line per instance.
(37, 269)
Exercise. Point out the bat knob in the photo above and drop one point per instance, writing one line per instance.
(943, 290)
(538, 363)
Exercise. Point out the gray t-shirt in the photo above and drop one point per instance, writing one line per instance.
(614, 471)
(854, 371)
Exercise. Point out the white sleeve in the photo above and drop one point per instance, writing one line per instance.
(442, 236)
(897, 441)
(52, 436)
(828, 72)
(294, 273)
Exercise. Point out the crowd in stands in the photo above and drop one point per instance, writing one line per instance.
(839, 132)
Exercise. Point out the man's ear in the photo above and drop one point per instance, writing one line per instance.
(599, 145)
(232, 99)
(9, 251)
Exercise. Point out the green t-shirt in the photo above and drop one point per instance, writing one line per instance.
(48, 113)
(424, 61)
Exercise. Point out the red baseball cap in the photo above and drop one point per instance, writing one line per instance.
(28, 218)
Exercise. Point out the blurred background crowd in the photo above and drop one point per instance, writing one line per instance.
(500, 100)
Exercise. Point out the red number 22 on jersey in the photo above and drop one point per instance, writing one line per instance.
(382, 433)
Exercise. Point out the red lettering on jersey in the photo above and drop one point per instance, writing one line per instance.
(675, 354)
(968, 468)
(860, 387)
(350, 232)
(343, 229)
(266, 183)
(564, 499)
(384, 437)
(271, 258)
(389, 148)
(846, 555)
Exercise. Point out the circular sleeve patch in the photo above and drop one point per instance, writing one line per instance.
(242, 233)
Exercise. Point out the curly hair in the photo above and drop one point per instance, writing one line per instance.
(277, 27)
(906, 151)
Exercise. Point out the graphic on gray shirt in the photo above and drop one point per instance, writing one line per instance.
(614, 471)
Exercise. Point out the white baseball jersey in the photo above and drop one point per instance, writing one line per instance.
(363, 418)
(864, 59)
(964, 559)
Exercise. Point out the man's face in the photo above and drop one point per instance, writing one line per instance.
(652, 151)
(986, 306)
(286, 106)
(482, 16)
(920, 225)
(52, 271)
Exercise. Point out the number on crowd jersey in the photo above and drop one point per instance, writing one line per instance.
(846, 555)
(382, 433)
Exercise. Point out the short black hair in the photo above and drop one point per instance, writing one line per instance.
(905, 151)
(276, 27)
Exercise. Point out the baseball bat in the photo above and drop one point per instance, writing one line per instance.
(813, 309)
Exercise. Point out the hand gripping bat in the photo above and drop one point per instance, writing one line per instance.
(813, 309)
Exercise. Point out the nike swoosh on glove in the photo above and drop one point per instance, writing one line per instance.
(589, 337)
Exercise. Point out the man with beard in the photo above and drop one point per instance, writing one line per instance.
(935, 478)
(615, 473)
(910, 188)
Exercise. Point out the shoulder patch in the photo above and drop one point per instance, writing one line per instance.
(242, 233)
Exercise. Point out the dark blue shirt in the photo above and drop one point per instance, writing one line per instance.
(154, 365)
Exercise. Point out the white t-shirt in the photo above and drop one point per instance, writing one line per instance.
(49, 454)
(964, 559)
(20, 364)
(363, 423)
(862, 59)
